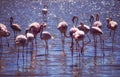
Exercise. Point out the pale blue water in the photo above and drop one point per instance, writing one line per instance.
(59, 63)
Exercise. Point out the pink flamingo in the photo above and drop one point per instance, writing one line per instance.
(4, 32)
(45, 35)
(73, 29)
(21, 40)
(16, 28)
(96, 31)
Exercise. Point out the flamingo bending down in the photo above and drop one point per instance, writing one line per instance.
(79, 36)
(30, 38)
(16, 28)
(4, 32)
(45, 35)
(21, 40)
(96, 31)
(62, 27)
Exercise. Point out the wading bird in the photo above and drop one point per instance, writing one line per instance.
(84, 28)
(96, 31)
(112, 25)
(16, 28)
(45, 35)
(20, 40)
(73, 29)
(36, 28)
(62, 27)
(44, 13)
(97, 22)
(4, 33)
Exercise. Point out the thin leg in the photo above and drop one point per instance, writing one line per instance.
(7, 41)
(23, 56)
(18, 57)
(88, 37)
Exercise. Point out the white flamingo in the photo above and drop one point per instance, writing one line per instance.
(73, 29)
(79, 36)
(62, 27)
(112, 25)
(44, 13)
(16, 28)
(96, 31)
(21, 40)
(30, 38)
(97, 22)
(4, 32)
(45, 35)
(36, 28)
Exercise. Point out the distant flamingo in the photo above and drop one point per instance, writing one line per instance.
(95, 31)
(21, 40)
(44, 13)
(45, 35)
(73, 29)
(16, 28)
(4, 32)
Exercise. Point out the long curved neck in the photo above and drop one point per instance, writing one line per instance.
(75, 20)
(97, 17)
(11, 21)
(41, 33)
(91, 20)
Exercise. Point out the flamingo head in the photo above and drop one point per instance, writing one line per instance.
(91, 18)
(97, 17)
(11, 19)
(73, 19)
(108, 20)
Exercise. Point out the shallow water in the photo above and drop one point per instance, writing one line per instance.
(59, 61)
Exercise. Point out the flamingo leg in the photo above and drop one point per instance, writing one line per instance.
(7, 41)
(88, 37)
(18, 57)
(102, 44)
(82, 49)
(110, 33)
(23, 56)
(113, 40)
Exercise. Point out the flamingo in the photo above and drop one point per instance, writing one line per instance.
(79, 36)
(4, 32)
(73, 29)
(84, 28)
(45, 35)
(62, 27)
(21, 40)
(36, 28)
(30, 38)
(112, 25)
(16, 28)
(95, 31)
(97, 22)
(44, 12)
